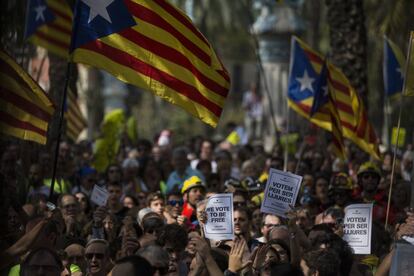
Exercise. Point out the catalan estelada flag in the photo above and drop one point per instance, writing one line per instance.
(25, 109)
(49, 25)
(155, 46)
(324, 97)
(305, 69)
(393, 68)
(75, 121)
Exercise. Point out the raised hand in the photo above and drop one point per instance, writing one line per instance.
(236, 256)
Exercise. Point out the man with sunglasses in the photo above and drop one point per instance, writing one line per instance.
(369, 176)
(174, 208)
(97, 257)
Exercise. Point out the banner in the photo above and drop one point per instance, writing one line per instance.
(358, 227)
(281, 191)
(219, 211)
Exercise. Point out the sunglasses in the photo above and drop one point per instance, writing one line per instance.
(369, 175)
(175, 202)
(69, 206)
(99, 256)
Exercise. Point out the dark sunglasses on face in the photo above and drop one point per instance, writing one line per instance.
(175, 202)
(99, 256)
(69, 206)
(369, 175)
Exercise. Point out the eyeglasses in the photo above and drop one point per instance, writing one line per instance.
(175, 202)
(69, 206)
(270, 225)
(99, 256)
(369, 175)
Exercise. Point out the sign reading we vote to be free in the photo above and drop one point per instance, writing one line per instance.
(219, 225)
(281, 191)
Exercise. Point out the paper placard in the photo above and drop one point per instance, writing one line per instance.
(219, 209)
(99, 195)
(282, 189)
(358, 227)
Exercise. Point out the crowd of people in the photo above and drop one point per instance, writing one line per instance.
(152, 222)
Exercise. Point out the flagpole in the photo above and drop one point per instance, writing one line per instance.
(407, 65)
(261, 69)
(59, 135)
(286, 157)
(266, 88)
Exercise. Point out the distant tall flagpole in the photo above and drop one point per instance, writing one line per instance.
(407, 65)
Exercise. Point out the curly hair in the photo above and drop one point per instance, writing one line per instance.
(324, 261)
(174, 235)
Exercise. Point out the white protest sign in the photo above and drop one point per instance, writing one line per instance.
(358, 226)
(99, 195)
(282, 189)
(219, 211)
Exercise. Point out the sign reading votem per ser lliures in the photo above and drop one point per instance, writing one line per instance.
(281, 191)
(219, 211)
(358, 226)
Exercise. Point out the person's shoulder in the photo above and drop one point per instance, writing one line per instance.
(191, 172)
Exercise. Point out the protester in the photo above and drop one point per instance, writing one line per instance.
(153, 220)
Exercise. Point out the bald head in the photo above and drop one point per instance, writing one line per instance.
(75, 250)
(76, 255)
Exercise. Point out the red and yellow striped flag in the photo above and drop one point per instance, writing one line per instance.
(25, 109)
(352, 114)
(337, 137)
(155, 46)
(324, 97)
(49, 25)
(75, 121)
